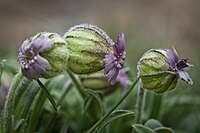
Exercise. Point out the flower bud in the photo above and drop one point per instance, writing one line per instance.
(99, 82)
(44, 55)
(92, 50)
(159, 70)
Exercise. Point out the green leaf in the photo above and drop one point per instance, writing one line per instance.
(25, 102)
(37, 110)
(16, 123)
(8, 107)
(164, 130)
(65, 128)
(23, 85)
(142, 129)
(98, 99)
(115, 115)
(152, 123)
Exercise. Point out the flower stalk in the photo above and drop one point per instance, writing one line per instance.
(46, 92)
(77, 83)
(51, 120)
(140, 104)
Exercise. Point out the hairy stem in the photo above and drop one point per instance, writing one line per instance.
(77, 83)
(83, 116)
(140, 104)
(46, 92)
(113, 108)
(60, 100)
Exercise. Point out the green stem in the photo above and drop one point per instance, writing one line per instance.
(9, 102)
(114, 107)
(52, 118)
(140, 104)
(82, 119)
(156, 106)
(46, 92)
(77, 83)
(1, 69)
(67, 88)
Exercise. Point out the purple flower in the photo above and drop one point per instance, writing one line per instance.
(180, 67)
(123, 80)
(115, 61)
(33, 65)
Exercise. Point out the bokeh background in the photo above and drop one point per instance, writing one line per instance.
(147, 24)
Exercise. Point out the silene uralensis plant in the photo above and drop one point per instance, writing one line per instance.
(95, 66)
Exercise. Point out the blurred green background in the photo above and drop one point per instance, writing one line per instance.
(146, 24)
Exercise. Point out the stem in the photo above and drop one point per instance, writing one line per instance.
(67, 88)
(82, 119)
(114, 107)
(156, 106)
(9, 102)
(46, 92)
(140, 104)
(77, 83)
(1, 69)
(52, 118)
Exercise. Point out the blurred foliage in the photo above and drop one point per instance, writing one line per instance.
(32, 112)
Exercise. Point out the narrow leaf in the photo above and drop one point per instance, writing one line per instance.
(114, 116)
(98, 99)
(142, 129)
(164, 130)
(16, 123)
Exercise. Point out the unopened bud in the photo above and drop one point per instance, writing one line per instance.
(92, 50)
(44, 55)
(160, 70)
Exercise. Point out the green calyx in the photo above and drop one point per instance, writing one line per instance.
(154, 71)
(87, 45)
(98, 82)
(57, 56)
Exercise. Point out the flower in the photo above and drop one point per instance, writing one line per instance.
(115, 61)
(160, 70)
(179, 66)
(123, 79)
(40, 56)
(92, 50)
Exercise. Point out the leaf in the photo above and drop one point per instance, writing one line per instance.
(37, 110)
(164, 130)
(16, 123)
(157, 126)
(152, 123)
(115, 115)
(142, 129)
(23, 85)
(8, 106)
(26, 100)
(65, 128)
(98, 99)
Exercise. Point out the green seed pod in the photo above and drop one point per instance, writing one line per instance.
(88, 46)
(160, 70)
(44, 55)
(99, 82)
(154, 70)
